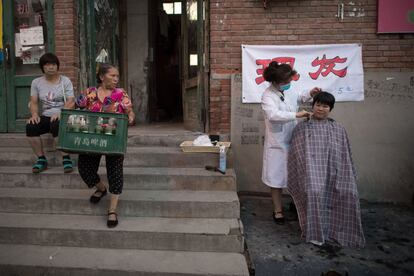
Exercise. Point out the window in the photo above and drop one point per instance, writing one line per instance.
(172, 8)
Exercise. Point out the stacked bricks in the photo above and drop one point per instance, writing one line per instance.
(237, 22)
(66, 38)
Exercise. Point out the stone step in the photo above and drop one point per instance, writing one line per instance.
(66, 261)
(138, 137)
(142, 203)
(140, 178)
(20, 140)
(135, 157)
(147, 233)
(160, 140)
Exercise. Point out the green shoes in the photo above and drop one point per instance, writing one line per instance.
(40, 165)
(67, 164)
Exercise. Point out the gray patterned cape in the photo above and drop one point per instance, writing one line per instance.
(322, 182)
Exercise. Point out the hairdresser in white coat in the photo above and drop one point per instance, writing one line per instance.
(280, 107)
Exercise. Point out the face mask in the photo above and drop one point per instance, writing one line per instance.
(284, 87)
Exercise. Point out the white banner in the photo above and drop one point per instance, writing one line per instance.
(336, 68)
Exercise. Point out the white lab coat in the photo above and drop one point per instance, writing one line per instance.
(280, 120)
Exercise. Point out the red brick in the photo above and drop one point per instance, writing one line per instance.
(66, 39)
(295, 23)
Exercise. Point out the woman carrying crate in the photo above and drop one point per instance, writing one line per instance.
(106, 97)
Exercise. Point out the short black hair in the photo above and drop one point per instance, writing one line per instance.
(324, 98)
(48, 58)
(278, 73)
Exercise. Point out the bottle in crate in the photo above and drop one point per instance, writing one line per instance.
(84, 124)
(99, 125)
(76, 123)
(70, 123)
(111, 127)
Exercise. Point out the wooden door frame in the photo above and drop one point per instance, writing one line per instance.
(152, 60)
(206, 71)
(3, 98)
(3, 110)
(201, 81)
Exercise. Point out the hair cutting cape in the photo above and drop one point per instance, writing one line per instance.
(322, 182)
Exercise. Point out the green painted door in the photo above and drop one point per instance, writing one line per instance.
(99, 36)
(27, 34)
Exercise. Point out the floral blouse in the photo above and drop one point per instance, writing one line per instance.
(117, 102)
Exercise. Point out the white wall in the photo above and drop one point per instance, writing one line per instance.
(137, 48)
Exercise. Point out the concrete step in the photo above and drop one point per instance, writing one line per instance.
(160, 140)
(143, 203)
(20, 140)
(67, 261)
(151, 233)
(135, 157)
(136, 137)
(141, 178)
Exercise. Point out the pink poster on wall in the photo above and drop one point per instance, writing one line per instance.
(395, 16)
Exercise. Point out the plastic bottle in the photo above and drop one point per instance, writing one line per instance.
(222, 162)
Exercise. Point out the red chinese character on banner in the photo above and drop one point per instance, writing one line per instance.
(264, 63)
(326, 66)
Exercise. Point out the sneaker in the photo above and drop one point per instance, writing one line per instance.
(40, 165)
(67, 164)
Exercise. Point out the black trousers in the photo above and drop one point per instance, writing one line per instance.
(88, 165)
(44, 126)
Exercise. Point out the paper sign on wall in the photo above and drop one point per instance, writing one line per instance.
(18, 48)
(336, 68)
(31, 36)
(31, 55)
(28, 54)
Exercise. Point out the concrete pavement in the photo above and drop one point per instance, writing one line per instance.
(280, 250)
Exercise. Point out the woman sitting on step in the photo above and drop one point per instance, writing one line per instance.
(105, 98)
(52, 92)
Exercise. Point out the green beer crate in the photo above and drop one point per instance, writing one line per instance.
(82, 131)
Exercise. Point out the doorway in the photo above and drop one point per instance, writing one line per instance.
(166, 91)
(166, 60)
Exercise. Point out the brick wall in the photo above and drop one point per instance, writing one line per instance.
(66, 38)
(236, 22)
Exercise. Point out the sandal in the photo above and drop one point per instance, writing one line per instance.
(112, 223)
(280, 220)
(67, 164)
(97, 195)
(40, 165)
